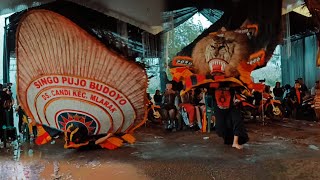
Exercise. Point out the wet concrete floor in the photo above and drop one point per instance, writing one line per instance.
(286, 150)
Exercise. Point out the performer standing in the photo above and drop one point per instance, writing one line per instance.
(224, 60)
(229, 123)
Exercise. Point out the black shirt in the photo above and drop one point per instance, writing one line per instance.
(278, 92)
(157, 98)
(304, 89)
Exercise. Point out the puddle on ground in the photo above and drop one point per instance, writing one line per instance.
(19, 170)
(41, 169)
(251, 158)
(31, 164)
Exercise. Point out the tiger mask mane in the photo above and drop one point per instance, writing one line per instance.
(220, 53)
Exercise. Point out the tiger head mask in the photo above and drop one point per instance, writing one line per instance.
(221, 52)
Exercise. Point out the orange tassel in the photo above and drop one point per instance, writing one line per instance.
(204, 123)
(111, 143)
(108, 145)
(43, 137)
(115, 141)
(129, 138)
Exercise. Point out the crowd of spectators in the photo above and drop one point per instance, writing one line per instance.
(172, 104)
(293, 97)
(6, 110)
(172, 107)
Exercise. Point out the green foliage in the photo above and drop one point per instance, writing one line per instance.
(154, 84)
(182, 36)
(272, 72)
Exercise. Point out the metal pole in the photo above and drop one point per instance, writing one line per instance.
(208, 111)
(262, 110)
(6, 54)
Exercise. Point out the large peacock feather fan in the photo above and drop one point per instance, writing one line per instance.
(69, 81)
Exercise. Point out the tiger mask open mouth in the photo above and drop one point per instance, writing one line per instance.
(220, 53)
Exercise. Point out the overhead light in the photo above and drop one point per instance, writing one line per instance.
(303, 10)
(290, 5)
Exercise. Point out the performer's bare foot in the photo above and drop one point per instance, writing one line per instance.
(237, 146)
(236, 143)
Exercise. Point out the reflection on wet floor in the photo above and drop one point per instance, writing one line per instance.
(13, 148)
(25, 160)
(163, 155)
(87, 170)
(32, 164)
(20, 170)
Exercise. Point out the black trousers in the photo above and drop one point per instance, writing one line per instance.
(229, 124)
(6, 118)
(2, 121)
